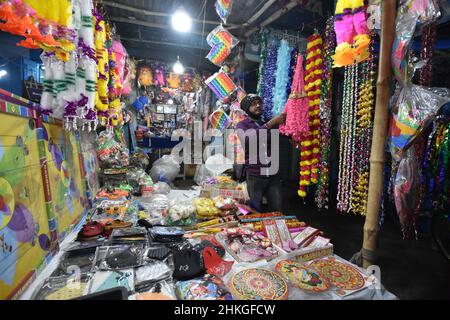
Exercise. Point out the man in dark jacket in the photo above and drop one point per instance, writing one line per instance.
(262, 177)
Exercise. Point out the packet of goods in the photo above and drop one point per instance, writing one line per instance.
(306, 236)
(206, 208)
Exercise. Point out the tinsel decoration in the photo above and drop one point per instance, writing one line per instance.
(282, 77)
(269, 81)
(325, 116)
(262, 62)
(294, 54)
(427, 54)
(309, 150)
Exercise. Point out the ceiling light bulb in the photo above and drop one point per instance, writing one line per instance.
(3, 73)
(181, 21)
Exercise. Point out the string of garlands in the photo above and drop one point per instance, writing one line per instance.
(365, 113)
(309, 147)
(427, 54)
(325, 115)
(356, 135)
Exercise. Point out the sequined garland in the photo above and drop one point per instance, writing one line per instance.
(325, 116)
(436, 169)
(427, 53)
(309, 148)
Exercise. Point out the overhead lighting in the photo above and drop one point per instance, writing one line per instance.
(178, 67)
(3, 73)
(181, 21)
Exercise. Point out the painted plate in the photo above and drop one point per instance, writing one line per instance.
(258, 284)
(302, 276)
(342, 275)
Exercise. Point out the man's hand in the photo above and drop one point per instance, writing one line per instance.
(280, 119)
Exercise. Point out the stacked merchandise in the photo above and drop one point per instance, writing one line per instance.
(122, 248)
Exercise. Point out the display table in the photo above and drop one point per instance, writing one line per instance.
(372, 292)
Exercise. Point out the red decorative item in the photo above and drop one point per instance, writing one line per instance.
(214, 263)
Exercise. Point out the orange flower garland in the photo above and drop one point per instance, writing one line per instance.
(309, 155)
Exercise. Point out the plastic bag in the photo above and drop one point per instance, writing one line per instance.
(223, 9)
(139, 159)
(201, 174)
(162, 188)
(410, 13)
(165, 169)
(110, 152)
(406, 191)
(181, 214)
(415, 108)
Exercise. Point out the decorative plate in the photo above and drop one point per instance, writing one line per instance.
(258, 284)
(302, 276)
(342, 275)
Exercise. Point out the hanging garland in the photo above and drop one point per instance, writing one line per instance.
(356, 135)
(262, 62)
(282, 77)
(269, 81)
(309, 151)
(292, 65)
(325, 116)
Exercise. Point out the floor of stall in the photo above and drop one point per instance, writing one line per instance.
(409, 269)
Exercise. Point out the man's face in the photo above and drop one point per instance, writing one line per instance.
(256, 108)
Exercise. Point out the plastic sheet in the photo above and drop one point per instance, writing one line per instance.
(152, 272)
(63, 288)
(406, 190)
(410, 13)
(415, 108)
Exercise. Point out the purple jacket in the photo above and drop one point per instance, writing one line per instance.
(245, 137)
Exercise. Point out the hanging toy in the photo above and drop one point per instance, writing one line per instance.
(223, 9)
(221, 42)
(145, 77)
(221, 85)
(174, 80)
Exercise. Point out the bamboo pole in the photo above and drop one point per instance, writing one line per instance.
(377, 155)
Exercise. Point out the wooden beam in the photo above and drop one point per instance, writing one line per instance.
(162, 14)
(260, 12)
(380, 131)
(151, 25)
(173, 44)
(279, 13)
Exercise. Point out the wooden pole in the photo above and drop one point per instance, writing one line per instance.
(377, 155)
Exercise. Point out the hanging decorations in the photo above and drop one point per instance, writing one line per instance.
(427, 54)
(145, 76)
(268, 83)
(347, 141)
(309, 152)
(352, 33)
(356, 134)
(50, 30)
(436, 168)
(282, 77)
(325, 117)
(363, 140)
(297, 117)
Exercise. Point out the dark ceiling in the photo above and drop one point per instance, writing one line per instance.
(144, 25)
(145, 29)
